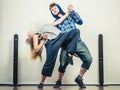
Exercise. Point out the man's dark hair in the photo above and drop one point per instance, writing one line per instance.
(60, 10)
(52, 5)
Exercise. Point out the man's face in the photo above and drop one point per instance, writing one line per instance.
(55, 10)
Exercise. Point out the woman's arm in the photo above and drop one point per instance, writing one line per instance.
(37, 46)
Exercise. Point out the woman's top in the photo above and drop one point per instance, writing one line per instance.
(52, 31)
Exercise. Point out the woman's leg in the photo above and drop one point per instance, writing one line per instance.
(51, 54)
(42, 79)
(41, 82)
(52, 48)
(70, 44)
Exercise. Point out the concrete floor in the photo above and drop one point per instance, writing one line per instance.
(61, 88)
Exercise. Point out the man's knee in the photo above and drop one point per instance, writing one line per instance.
(90, 60)
(62, 68)
(87, 63)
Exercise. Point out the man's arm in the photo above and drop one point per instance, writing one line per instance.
(60, 19)
(75, 16)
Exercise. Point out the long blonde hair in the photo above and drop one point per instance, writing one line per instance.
(34, 54)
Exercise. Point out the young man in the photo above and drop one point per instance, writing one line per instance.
(81, 51)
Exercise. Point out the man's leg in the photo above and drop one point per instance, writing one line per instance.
(83, 52)
(59, 81)
(82, 71)
(62, 68)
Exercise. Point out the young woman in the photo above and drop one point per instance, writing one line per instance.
(53, 40)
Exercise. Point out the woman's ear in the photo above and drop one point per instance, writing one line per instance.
(27, 41)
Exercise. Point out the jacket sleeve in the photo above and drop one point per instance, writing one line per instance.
(74, 15)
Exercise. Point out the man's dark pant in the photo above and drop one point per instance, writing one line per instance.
(83, 53)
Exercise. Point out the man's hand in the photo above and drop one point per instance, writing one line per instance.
(70, 8)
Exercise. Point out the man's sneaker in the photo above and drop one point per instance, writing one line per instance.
(79, 81)
(40, 86)
(58, 84)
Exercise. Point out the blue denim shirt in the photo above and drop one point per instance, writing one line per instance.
(69, 23)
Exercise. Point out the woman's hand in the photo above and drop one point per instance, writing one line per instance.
(36, 50)
(39, 46)
(45, 36)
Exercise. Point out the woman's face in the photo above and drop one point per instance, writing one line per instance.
(55, 10)
(45, 35)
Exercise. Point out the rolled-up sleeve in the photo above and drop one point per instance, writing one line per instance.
(75, 16)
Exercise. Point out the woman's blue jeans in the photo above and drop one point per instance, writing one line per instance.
(53, 46)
